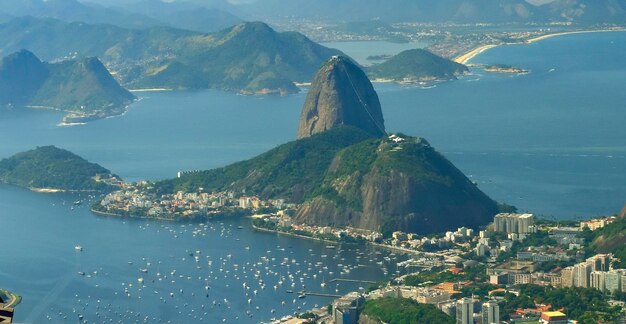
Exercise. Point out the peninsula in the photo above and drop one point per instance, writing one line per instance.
(345, 170)
(51, 169)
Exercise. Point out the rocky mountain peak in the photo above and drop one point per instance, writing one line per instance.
(341, 94)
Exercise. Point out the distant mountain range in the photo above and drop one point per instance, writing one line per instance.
(212, 15)
(142, 14)
(184, 15)
(249, 57)
(84, 88)
(459, 11)
(72, 10)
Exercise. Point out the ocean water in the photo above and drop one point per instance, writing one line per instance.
(551, 142)
(359, 51)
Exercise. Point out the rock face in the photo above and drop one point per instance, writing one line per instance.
(622, 214)
(404, 185)
(341, 94)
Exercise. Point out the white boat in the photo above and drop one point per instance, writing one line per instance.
(78, 248)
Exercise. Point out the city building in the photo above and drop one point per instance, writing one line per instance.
(597, 280)
(613, 281)
(600, 262)
(465, 311)
(481, 249)
(449, 308)
(598, 223)
(553, 318)
(582, 274)
(514, 223)
(490, 312)
(346, 308)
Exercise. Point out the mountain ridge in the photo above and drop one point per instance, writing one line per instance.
(84, 88)
(234, 59)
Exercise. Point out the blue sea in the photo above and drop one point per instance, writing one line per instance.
(551, 142)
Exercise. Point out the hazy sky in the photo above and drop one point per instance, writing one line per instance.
(235, 2)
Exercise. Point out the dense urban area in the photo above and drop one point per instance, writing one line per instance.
(517, 269)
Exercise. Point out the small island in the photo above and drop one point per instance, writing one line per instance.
(51, 169)
(416, 65)
(502, 68)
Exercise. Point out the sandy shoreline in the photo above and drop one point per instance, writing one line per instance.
(538, 38)
(465, 58)
(150, 90)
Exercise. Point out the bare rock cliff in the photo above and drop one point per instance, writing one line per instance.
(341, 94)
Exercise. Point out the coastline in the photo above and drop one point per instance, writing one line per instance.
(382, 246)
(170, 219)
(465, 58)
(261, 229)
(107, 214)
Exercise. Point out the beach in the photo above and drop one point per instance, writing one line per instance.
(465, 58)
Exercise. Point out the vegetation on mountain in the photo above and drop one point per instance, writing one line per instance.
(292, 170)
(249, 57)
(417, 65)
(49, 167)
(610, 239)
(83, 87)
(403, 310)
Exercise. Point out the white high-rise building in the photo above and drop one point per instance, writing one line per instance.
(491, 312)
(597, 280)
(514, 223)
(582, 274)
(465, 311)
(613, 281)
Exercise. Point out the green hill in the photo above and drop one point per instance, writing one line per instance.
(84, 87)
(402, 310)
(49, 167)
(417, 65)
(346, 177)
(611, 239)
(292, 170)
(249, 57)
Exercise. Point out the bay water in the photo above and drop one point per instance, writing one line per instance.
(551, 142)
